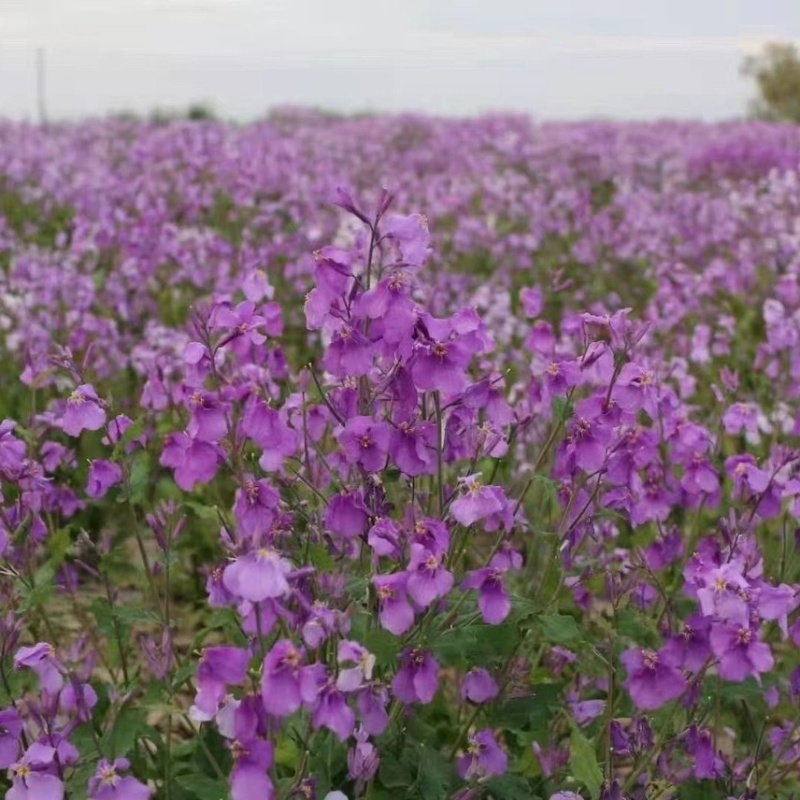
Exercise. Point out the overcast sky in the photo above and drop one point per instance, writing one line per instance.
(551, 58)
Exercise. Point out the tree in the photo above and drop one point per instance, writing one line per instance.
(776, 71)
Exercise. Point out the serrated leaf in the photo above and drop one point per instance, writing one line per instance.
(583, 763)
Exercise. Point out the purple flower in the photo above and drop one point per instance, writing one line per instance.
(412, 447)
(10, 730)
(78, 698)
(418, 677)
(30, 776)
(440, 366)
(352, 678)
(330, 710)
(241, 323)
(390, 307)
(249, 779)
(411, 236)
(740, 652)
(476, 501)
(258, 576)
(365, 442)
(484, 757)
(371, 704)
(652, 680)
(362, 760)
(102, 476)
(269, 430)
(219, 668)
(193, 461)
(584, 711)
(208, 422)
(384, 538)
(690, 648)
(427, 580)
(347, 515)
(108, 784)
(41, 658)
(553, 759)
(349, 354)
(396, 613)
(255, 507)
(561, 375)
(493, 600)
(742, 417)
(725, 593)
(700, 745)
(321, 623)
(635, 388)
(12, 450)
(478, 686)
(83, 411)
(285, 683)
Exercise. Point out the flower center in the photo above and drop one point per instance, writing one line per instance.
(744, 636)
(439, 350)
(292, 659)
(649, 659)
(238, 750)
(108, 775)
(582, 427)
(385, 593)
(21, 770)
(75, 399)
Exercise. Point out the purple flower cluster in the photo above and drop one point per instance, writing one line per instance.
(305, 494)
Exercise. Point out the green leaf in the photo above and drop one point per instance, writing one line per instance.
(140, 477)
(435, 775)
(129, 724)
(202, 511)
(320, 557)
(510, 787)
(560, 628)
(287, 753)
(528, 713)
(202, 787)
(383, 645)
(583, 763)
(395, 774)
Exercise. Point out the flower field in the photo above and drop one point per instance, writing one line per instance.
(398, 457)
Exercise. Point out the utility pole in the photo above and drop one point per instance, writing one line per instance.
(40, 86)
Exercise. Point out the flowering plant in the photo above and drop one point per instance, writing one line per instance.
(315, 513)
